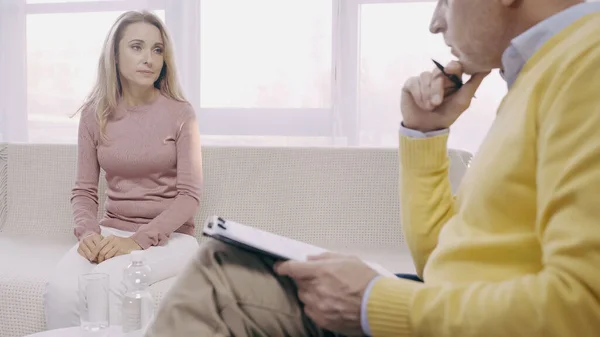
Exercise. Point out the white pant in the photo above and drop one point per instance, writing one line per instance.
(61, 295)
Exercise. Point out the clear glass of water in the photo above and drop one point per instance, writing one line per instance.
(93, 301)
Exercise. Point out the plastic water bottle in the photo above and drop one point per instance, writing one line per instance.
(138, 304)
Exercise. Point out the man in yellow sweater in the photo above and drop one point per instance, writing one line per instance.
(515, 253)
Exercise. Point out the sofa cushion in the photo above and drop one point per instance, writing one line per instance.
(26, 263)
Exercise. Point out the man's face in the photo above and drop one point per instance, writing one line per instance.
(478, 31)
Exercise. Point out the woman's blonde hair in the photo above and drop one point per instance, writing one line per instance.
(105, 95)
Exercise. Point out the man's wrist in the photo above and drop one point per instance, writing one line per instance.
(412, 133)
(364, 322)
(421, 129)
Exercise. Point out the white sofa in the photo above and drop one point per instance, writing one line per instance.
(345, 199)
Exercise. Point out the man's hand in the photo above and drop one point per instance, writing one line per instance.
(112, 246)
(427, 104)
(87, 246)
(331, 287)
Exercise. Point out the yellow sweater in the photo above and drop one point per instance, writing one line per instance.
(517, 253)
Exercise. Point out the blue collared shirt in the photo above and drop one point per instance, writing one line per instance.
(520, 50)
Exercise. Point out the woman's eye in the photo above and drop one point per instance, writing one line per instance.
(158, 50)
(136, 47)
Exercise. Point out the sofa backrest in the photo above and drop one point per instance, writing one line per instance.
(319, 195)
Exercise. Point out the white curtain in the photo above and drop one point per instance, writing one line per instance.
(13, 70)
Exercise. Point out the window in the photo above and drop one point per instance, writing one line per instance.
(258, 72)
(61, 69)
(390, 54)
(265, 53)
(266, 72)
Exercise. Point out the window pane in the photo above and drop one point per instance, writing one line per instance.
(266, 53)
(61, 69)
(395, 45)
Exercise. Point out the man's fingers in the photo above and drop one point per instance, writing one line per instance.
(437, 90)
(454, 68)
(412, 88)
(305, 297)
(425, 85)
(325, 256)
(296, 269)
(475, 81)
(462, 99)
(314, 307)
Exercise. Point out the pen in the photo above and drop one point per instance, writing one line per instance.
(458, 83)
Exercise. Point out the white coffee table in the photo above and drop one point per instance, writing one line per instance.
(113, 331)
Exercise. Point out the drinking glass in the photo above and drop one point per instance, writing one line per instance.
(93, 301)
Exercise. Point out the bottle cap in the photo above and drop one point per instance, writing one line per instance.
(137, 255)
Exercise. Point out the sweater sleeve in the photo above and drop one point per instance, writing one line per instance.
(84, 197)
(189, 185)
(563, 297)
(426, 197)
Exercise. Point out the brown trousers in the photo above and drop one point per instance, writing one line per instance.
(225, 291)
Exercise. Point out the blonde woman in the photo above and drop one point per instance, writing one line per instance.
(138, 128)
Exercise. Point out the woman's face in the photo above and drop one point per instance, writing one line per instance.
(140, 58)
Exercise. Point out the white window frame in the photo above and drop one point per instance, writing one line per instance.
(298, 122)
(341, 121)
(348, 39)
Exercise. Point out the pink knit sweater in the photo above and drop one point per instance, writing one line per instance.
(153, 167)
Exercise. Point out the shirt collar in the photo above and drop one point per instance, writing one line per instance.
(522, 48)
